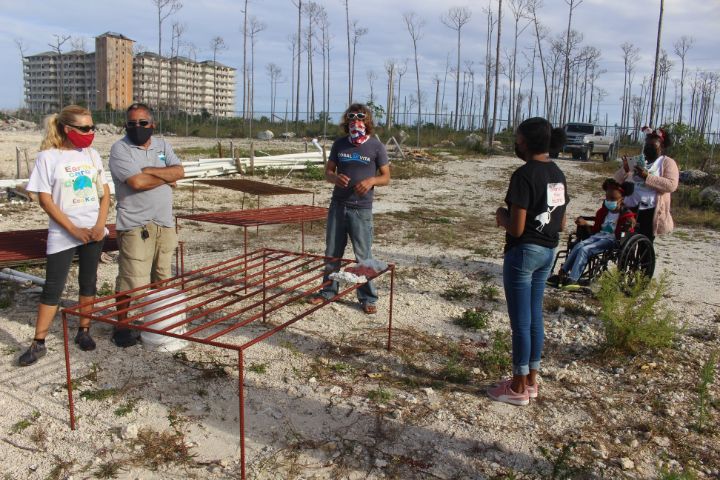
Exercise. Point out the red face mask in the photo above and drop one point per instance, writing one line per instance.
(80, 140)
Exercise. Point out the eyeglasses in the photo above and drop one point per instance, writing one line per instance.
(139, 123)
(353, 116)
(84, 128)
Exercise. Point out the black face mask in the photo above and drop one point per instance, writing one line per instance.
(518, 153)
(650, 153)
(139, 135)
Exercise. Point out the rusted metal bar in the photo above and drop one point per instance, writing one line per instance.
(22, 245)
(71, 404)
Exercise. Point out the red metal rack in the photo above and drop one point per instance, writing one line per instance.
(212, 304)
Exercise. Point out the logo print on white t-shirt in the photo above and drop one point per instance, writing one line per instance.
(555, 198)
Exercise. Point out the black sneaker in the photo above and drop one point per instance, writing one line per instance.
(84, 340)
(554, 281)
(124, 337)
(32, 354)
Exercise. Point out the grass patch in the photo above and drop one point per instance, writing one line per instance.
(457, 292)
(380, 395)
(667, 474)
(162, 448)
(473, 318)
(99, 395)
(24, 423)
(455, 372)
(689, 209)
(407, 170)
(61, 469)
(39, 436)
(489, 291)
(312, 171)
(632, 313)
(606, 169)
(258, 368)
(495, 360)
(126, 408)
(704, 404)
(341, 367)
(106, 289)
(109, 469)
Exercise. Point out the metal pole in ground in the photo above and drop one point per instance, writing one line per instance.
(71, 404)
(241, 402)
(390, 309)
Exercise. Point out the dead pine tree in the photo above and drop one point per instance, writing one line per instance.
(682, 46)
(455, 19)
(573, 4)
(357, 33)
(401, 70)
(414, 26)
(216, 45)
(311, 10)
(20, 44)
(274, 73)
(491, 136)
(519, 9)
(349, 51)
(390, 66)
(256, 26)
(299, 5)
(244, 67)
(165, 8)
(540, 33)
(656, 65)
(488, 66)
(59, 77)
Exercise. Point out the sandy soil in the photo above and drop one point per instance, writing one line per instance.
(326, 401)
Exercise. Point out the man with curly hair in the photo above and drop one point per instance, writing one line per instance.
(358, 162)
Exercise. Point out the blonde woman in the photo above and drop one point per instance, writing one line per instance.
(68, 180)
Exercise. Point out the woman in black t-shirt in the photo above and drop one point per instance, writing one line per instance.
(535, 215)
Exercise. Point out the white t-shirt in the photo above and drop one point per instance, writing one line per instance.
(607, 229)
(645, 197)
(73, 178)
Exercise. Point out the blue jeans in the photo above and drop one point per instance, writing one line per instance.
(581, 253)
(525, 271)
(357, 223)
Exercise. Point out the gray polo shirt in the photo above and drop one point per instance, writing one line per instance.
(138, 208)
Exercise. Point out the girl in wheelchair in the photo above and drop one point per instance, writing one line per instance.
(612, 220)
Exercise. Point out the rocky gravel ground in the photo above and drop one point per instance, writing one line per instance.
(326, 400)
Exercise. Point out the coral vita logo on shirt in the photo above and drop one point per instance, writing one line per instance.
(353, 157)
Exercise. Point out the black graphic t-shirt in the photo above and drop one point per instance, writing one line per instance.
(540, 188)
(357, 162)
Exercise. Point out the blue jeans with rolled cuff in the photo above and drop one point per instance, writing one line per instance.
(357, 224)
(525, 271)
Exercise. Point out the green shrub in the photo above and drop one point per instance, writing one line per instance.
(496, 359)
(455, 372)
(473, 318)
(707, 376)
(313, 172)
(633, 316)
(456, 292)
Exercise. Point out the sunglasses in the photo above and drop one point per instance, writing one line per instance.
(353, 116)
(139, 123)
(84, 128)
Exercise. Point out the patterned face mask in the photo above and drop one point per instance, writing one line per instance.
(357, 132)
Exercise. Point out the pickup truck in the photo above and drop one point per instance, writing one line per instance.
(585, 140)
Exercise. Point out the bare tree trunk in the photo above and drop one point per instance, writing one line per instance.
(657, 56)
(244, 67)
(488, 69)
(491, 136)
(57, 47)
(414, 26)
(297, 85)
(573, 4)
(347, 27)
(456, 18)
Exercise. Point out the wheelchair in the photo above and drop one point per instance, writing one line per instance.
(634, 253)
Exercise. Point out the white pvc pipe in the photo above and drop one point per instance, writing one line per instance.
(5, 276)
(26, 276)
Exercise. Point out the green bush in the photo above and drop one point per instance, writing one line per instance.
(632, 313)
(473, 318)
(496, 359)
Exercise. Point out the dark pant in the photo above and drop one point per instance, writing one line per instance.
(58, 266)
(645, 223)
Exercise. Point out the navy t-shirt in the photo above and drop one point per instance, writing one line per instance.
(357, 162)
(540, 188)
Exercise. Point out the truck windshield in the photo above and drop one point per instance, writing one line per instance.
(575, 128)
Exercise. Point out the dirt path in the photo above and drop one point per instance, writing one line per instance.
(325, 400)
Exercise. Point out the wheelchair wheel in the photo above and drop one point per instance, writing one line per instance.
(637, 255)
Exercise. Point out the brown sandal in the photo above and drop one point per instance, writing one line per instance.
(369, 309)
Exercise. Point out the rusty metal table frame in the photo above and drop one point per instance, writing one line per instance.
(214, 306)
(257, 217)
(22, 246)
(251, 187)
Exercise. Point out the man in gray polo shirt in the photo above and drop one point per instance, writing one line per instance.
(144, 170)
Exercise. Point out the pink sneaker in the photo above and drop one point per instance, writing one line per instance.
(503, 393)
(533, 390)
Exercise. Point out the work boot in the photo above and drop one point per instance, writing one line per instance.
(124, 337)
(32, 354)
(84, 340)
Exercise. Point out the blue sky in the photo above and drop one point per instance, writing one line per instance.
(605, 24)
